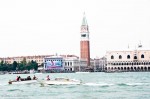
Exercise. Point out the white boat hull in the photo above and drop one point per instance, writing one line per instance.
(62, 82)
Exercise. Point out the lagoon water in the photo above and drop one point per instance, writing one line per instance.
(127, 85)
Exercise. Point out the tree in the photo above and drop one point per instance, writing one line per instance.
(24, 62)
(34, 65)
(20, 66)
(15, 64)
(2, 63)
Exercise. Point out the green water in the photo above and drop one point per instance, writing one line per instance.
(128, 85)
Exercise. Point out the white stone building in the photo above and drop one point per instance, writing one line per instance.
(99, 64)
(129, 60)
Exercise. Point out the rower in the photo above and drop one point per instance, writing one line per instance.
(18, 78)
(34, 77)
(48, 77)
(28, 78)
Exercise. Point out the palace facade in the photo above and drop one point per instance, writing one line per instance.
(129, 60)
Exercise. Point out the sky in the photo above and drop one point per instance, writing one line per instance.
(41, 27)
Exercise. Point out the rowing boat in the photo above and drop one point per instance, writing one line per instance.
(22, 82)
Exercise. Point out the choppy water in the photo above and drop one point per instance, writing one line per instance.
(128, 85)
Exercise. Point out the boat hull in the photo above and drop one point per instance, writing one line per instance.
(61, 81)
(22, 82)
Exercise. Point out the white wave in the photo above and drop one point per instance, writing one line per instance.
(98, 84)
(135, 84)
(3, 84)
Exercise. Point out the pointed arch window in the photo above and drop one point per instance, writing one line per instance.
(120, 57)
(112, 57)
(142, 56)
(128, 57)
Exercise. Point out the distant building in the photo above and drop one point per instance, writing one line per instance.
(99, 64)
(68, 63)
(18, 59)
(74, 64)
(38, 58)
(64, 63)
(129, 60)
(53, 62)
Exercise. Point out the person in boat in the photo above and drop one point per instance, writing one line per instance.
(48, 78)
(28, 78)
(34, 77)
(18, 78)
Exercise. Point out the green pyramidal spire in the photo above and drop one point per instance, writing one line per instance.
(84, 21)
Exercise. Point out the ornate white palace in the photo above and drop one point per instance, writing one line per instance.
(129, 60)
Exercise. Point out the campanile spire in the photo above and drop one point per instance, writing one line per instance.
(84, 21)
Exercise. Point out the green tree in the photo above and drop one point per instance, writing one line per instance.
(20, 66)
(28, 67)
(2, 63)
(24, 62)
(15, 64)
(9, 67)
(35, 65)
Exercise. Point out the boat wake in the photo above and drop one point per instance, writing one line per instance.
(98, 84)
(132, 84)
(116, 84)
(3, 84)
(101, 84)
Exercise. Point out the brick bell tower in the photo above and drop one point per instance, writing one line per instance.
(84, 42)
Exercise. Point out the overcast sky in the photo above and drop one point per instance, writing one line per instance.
(40, 27)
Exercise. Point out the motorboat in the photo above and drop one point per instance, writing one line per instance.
(22, 82)
(61, 81)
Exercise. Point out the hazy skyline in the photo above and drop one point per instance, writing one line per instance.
(40, 27)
